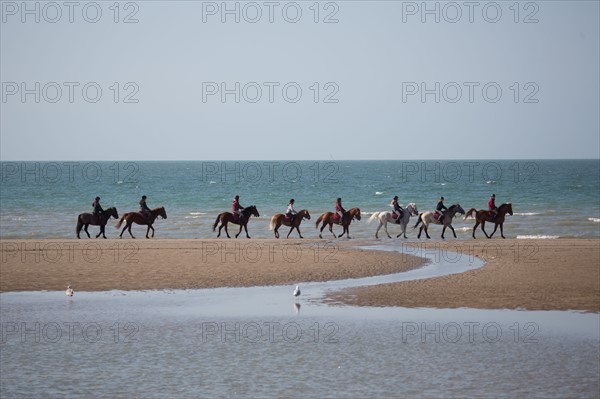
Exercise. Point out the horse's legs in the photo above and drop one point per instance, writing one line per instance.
(299, 234)
(502, 231)
(331, 230)
(475, 227)
(420, 230)
(377, 231)
(426, 232)
(483, 229)
(276, 230)
(246, 230)
(239, 232)
(290, 232)
(443, 229)
(453, 232)
(85, 228)
(495, 228)
(385, 228)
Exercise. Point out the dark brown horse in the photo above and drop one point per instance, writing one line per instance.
(227, 217)
(328, 219)
(85, 219)
(279, 219)
(483, 216)
(137, 218)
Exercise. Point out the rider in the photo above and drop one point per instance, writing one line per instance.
(441, 208)
(290, 210)
(144, 210)
(492, 205)
(339, 209)
(397, 208)
(236, 207)
(97, 209)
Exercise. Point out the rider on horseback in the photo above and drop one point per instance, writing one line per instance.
(492, 205)
(97, 209)
(290, 210)
(441, 208)
(236, 207)
(339, 209)
(144, 210)
(397, 208)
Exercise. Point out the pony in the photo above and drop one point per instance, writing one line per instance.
(137, 218)
(280, 219)
(385, 217)
(427, 217)
(329, 218)
(227, 217)
(85, 219)
(483, 216)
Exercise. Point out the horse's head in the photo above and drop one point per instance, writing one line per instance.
(304, 213)
(457, 209)
(251, 210)
(161, 212)
(355, 213)
(112, 211)
(412, 209)
(508, 208)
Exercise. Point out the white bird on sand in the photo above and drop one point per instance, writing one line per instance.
(69, 291)
(297, 292)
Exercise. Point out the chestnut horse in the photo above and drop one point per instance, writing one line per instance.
(328, 219)
(279, 219)
(483, 216)
(85, 219)
(227, 217)
(427, 217)
(136, 217)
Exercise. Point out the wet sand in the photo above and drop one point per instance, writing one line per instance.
(559, 274)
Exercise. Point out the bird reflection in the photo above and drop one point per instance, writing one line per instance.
(297, 308)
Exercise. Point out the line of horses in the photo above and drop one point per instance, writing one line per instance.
(326, 219)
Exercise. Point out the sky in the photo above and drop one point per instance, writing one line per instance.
(280, 80)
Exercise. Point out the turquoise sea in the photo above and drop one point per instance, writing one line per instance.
(551, 198)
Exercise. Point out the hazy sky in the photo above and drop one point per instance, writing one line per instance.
(367, 80)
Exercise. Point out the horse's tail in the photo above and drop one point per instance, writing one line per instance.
(216, 223)
(318, 221)
(469, 213)
(418, 221)
(373, 217)
(118, 225)
(272, 224)
(79, 224)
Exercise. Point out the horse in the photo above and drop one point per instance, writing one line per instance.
(427, 217)
(279, 219)
(385, 217)
(329, 218)
(85, 219)
(483, 216)
(227, 217)
(137, 217)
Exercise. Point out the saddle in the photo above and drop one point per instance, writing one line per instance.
(289, 218)
(437, 215)
(336, 218)
(397, 217)
(235, 217)
(145, 217)
(95, 218)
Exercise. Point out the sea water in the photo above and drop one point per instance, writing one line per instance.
(550, 198)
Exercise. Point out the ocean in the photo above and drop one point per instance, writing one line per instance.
(550, 198)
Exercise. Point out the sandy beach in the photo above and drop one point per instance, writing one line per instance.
(556, 274)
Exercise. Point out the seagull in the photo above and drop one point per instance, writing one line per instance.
(69, 291)
(297, 292)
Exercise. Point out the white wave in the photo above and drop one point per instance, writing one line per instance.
(120, 182)
(378, 192)
(596, 220)
(536, 237)
(463, 228)
(526, 213)
(491, 182)
(198, 213)
(212, 182)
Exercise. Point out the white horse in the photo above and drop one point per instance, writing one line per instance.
(385, 217)
(427, 218)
